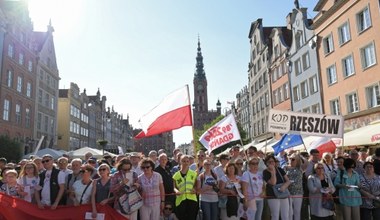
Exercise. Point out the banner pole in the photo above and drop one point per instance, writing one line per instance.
(303, 143)
(192, 122)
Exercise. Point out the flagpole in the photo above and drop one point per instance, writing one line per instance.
(192, 121)
(303, 143)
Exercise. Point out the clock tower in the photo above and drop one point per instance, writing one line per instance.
(201, 114)
(200, 83)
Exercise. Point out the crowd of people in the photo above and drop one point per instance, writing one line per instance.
(244, 184)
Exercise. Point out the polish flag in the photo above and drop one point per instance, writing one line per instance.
(323, 144)
(172, 113)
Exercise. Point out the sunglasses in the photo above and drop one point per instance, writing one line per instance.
(102, 169)
(45, 161)
(147, 167)
(168, 208)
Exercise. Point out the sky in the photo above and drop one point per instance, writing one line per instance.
(138, 51)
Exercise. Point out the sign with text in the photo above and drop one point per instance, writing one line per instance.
(220, 134)
(305, 123)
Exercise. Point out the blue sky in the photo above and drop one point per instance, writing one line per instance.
(138, 51)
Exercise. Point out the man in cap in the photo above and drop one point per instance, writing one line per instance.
(135, 160)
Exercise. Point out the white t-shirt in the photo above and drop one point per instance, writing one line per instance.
(209, 195)
(29, 184)
(78, 188)
(45, 193)
(219, 171)
(257, 184)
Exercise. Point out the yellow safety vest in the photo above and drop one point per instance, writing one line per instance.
(185, 186)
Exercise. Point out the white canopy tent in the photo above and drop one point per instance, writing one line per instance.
(54, 153)
(366, 135)
(79, 153)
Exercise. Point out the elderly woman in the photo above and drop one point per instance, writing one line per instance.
(328, 162)
(82, 189)
(11, 187)
(294, 173)
(349, 195)
(320, 187)
(101, 188)
(274, 175)
(253, 188)
(120, 181)
(371, 191)
(152, 189)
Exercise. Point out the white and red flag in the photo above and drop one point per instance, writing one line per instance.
(172, 113)
(220, 134)
(323, 144)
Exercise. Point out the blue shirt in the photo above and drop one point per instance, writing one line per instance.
(350, 196)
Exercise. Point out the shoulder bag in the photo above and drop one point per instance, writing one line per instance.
(130, 201)
(277, 189)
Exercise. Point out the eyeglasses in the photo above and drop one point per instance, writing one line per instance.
(102, 169)
(207, 164)
(168, 208)
(320, 168)
(147, 167)
(45, 161)
(254, 163)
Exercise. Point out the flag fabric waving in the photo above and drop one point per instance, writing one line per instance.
(172, 113)
(323, 144)
(220, 134)
(287, 141)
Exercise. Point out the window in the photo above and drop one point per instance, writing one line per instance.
(52, 126)
(286, 91)
(19, 84)
(313, 83)
(373, 96)
(298, 39)
(280, 95)
(262, 102)
(28, 89)
(274, 74)
(46, 123)
(40, 96)
(41, 75)
(21, 59)
(279, 71)
(368, 56)
(331, 75)
(275, 98)
(335, 107)
(265, 78)
(304, 89)
(47, 100)
(363, 20)
(276, 51)
(306, 61)
(348, 66)
(39, 121)
(352, 103)
(30, 66)
(266, 99)
(315, 109)
(298, 67)
(6, 110)
(261, 82)
(296, 93)
(52, 103)
(27, 117)
(306, 110)
(257, 106)
(10, 50)
(328, 44)
(18, 114)
(344, 33)
(10, 78)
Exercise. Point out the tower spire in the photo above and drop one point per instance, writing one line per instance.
(199, 72)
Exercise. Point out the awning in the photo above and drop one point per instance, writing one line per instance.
(366, 135)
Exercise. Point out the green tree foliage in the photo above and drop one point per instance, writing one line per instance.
(198, 134)
(10, 149)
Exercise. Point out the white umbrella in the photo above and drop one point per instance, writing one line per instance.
(366, 135)
(54, 153)
(79, 153)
